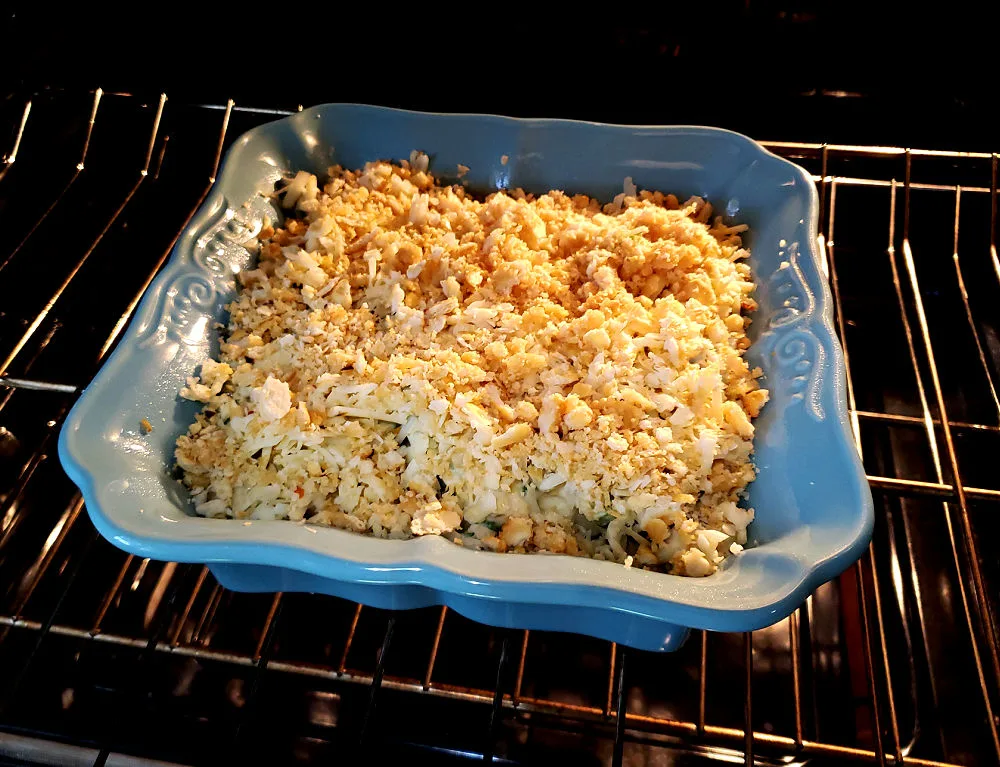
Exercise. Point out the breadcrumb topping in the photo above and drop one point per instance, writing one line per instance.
(516, 373)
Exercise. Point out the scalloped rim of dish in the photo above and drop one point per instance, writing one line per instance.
(440, 565)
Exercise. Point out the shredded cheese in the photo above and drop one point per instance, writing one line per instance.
(520, 373)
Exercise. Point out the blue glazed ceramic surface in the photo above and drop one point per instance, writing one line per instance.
(814, 507)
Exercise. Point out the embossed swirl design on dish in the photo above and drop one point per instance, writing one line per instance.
(789, 337)
(219, 252)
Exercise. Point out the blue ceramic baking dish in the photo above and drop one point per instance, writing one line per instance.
(814, 507)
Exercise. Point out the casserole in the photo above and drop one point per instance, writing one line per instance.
(813, 506)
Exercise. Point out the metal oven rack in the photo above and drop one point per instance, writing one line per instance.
(104, 655)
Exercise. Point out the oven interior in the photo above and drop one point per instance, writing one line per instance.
(107, 658)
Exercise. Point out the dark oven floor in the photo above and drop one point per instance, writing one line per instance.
(104, 654)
